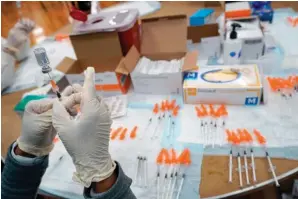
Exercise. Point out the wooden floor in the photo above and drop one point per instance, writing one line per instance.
(49, 17)
(52, 16)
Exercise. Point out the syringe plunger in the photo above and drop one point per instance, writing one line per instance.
(42, 59)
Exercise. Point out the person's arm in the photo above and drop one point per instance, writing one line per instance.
(22, 174)
(116, 186)
(27, 158)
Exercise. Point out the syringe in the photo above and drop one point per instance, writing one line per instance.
(43, 60)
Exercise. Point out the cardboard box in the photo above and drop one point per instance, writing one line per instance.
(101, 50)
(196, 33)
(163, 38)
(237, 9)
(236, 84)
(202, 16)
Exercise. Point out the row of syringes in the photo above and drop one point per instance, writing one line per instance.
(212, 123)
(242, 140)
(172, 163)
(287, 87)
(165, 113)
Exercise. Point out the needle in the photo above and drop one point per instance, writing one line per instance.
(158, 183)
(165, 185)
(50, 76)
(169, 185)
(239, 170)
(157, 126)
(173, 186)
(272, 169)
(147, 126)
(230, 166)
(137, 170)
(253, 165)
(141, 170)
(169, 124)
(246, 168)
(180, 186)
(230, 139)
(146, 172)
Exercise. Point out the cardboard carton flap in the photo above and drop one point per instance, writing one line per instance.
(68, 65)
(101, 50)
(166, 34)
(121, 68)
(196, 33)
(190, 61)
(131, 59)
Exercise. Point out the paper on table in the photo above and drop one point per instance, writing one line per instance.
(276, 120)
(117, 105)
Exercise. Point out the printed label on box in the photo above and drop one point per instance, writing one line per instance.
(251, 101)
(192, 91)
(191, 75)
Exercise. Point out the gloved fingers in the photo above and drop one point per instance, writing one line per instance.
(16, 38)
(60, 114)
(39, 106)
(72, 100)
(26, 25)
(71, 89)
(89, 91)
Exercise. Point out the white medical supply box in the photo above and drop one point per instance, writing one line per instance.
(223, 84)
(163, 38)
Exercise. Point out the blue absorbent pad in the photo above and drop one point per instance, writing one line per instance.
(192, 179)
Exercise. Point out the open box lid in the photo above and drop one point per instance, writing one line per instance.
(101, 50)
(69, 66)
(129, 62)
(164, 35)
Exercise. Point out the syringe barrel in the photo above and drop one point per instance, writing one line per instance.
(42, 59)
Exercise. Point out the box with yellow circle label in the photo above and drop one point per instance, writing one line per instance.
(223, 84)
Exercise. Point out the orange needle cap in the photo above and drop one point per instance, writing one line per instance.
(123, 134)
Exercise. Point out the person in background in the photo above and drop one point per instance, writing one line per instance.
(86, 139)
(15, 48)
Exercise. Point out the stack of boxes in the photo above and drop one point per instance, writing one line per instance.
(159, 38)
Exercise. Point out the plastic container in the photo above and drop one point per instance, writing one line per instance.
(125, 22)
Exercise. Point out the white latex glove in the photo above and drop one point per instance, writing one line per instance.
(86, 139)
(20, 33)
(7, 69)
(71, 89)
(68, 91)
(37, 130)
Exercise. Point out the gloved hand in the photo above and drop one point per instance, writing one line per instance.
(37, 129)
(7, 69)
(86, 139)
(69, 90)
(20, 33)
